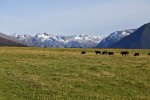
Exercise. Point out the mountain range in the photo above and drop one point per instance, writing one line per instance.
(139, 39)
(6, 40)
(129, 38)
(49, 40)
(114, 37)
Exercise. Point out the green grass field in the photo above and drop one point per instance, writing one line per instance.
(65, 74)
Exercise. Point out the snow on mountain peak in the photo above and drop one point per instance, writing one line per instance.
(114, 37)
(49, 40)
(124, 33)
(20, 36)
(83, 40)
(44, 35)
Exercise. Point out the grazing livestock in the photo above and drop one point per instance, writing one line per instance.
(98, 52)
(111, 53)
(136, 54)
(124, 53)
(104, 52)
(83, 52)
(148, 54)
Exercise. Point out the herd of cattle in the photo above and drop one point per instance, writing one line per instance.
(112, 53)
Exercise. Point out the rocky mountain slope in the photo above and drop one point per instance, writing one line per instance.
(114, 37)
(129, 38)
(49, 40)
(140, 39)
(6, 40)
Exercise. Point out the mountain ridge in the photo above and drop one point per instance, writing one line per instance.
(6, 40)
(114, 37)
(49, 40)
(140, 39)
(129, 38)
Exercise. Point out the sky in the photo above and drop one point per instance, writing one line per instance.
(72, 17)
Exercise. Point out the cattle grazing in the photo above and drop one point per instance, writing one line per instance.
(98, 52)
(124, 53)
(83, 52)
(136, 54)
(148, 54)
(111, 53)
(104, 52)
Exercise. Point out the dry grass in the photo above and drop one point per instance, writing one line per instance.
(49, 74)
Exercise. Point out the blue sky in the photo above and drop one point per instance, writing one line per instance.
(72, 17)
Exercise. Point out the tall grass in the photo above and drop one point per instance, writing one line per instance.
(65, 74)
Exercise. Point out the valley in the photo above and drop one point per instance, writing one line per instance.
(64, 73)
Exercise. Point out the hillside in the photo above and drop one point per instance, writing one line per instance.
(129, 38)
(114, 37)
(8, 41)
(140, 39)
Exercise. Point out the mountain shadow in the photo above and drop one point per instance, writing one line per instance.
(114, 38)
(140, 39)
(7, 41)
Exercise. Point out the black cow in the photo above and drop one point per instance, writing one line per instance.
(83, 52)
(104, 52)
(136, 54)
(98, 52)
(124, 53)
(111, 53)
(148, 54)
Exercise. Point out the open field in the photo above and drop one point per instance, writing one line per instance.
(65, 74)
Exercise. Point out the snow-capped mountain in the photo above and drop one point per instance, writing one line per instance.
(114, 37)
(6, 40)
(49, 40)
(23, 39)
(139, 39)
(76, 41)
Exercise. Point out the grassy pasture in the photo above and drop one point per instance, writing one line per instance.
(65, 74)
